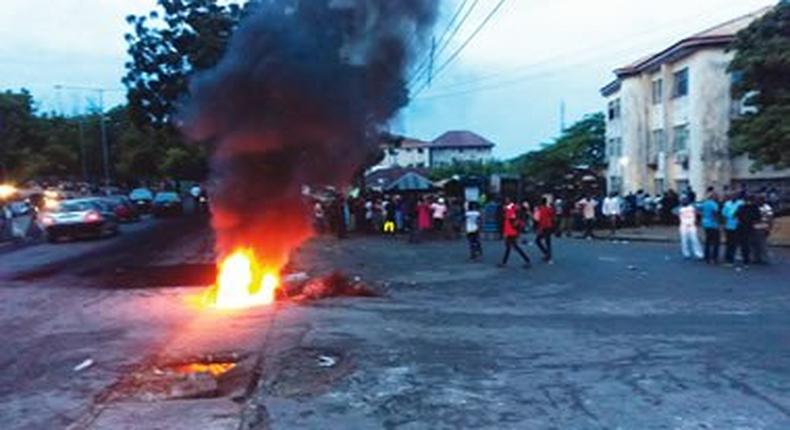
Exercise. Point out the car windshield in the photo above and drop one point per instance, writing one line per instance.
(141, 194)
(166, 197)
(76, 206)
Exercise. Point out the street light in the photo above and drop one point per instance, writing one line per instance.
(102, 124)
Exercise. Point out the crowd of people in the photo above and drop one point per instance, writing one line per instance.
(744, 218)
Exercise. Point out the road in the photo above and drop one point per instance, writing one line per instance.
(613, 335)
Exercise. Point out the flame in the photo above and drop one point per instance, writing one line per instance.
(7, 191)
(243, 283)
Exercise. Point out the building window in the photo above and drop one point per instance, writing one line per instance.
(680, 86)
(658, 140)
(658, 91)
(615, 184)
(614, 109)
(681, 141)
(419, 150)
(615, 147)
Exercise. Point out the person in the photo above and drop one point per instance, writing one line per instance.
(748, 216)
(423, 219)
(689, 241)
(563, 217)
(472, 223)
(544, 228)
(710, 224)
(762, 230)
(729, 212)
(318, 217)
(439, 212)
(388, 208)
(587, 207)
(511, 228)
(612, 209)
(640, 207)
(398, 204)
(369, 226)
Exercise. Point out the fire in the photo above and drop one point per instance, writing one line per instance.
(242, 282)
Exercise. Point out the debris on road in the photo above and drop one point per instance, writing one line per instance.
(326, 361)
(88, 362)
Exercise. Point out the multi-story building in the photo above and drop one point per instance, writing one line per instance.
(668, 118)
(449, 148)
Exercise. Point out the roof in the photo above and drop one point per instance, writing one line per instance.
(399, 178)
(718, 36)
(461, 139)
(414, 143)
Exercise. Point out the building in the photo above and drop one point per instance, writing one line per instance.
(449, 148)
(460, 146)
(668, 117)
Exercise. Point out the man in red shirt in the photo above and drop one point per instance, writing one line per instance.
(544, 223)
(511, 227)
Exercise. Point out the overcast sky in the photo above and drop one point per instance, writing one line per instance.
(506, 85)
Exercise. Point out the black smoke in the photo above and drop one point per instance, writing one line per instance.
(300, 97)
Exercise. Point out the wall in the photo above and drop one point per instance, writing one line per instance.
(444, 156)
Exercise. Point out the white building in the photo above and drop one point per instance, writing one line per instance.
(451, 147)
(668, 117)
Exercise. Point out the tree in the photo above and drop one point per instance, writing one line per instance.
(168, 46)
(761, 66)
(581, 145)
(17, 130)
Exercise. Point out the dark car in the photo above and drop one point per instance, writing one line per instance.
(167, 204)
(143, 199)
(80, 218)
(124, 208)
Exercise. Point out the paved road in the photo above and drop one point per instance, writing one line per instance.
(612, 336)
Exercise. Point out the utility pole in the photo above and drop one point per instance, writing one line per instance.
(102, 125)
(83, 158)
(562, 116)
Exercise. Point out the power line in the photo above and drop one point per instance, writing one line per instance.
(427, 60)
(466, 42)
(422, 71)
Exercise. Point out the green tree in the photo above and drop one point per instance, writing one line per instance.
(761, 66)
(583, 144)
(166, 47)
(17, 131)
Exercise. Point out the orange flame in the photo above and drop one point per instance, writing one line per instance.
(243, 283)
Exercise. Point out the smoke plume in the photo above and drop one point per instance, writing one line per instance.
(299, 98)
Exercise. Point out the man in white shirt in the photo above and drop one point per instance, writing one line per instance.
(689, 241)
(612, 209)
(587, 207)
(473, 219)
(439, 212)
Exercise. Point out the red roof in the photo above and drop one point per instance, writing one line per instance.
(461, 139)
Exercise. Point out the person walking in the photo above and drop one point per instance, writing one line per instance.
(511, 228)
(587, 207)
(762, 229)
(711, 225)
(544, 228)
(473, 221)
(612, 209)
(731, 233)
(689, 241)
(439, 213)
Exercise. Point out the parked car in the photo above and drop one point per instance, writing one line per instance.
(167, 203)
(143, 199)
(77, 218)
(124, 208)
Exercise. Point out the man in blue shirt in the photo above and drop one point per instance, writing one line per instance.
(729, 212)
(711, 225)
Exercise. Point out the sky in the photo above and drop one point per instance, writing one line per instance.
(507, 84)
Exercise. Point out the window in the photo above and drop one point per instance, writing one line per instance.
(614, 109)
(615, 184)
(615, 147)
(658, 140)
(419, 150)
(681, 141)
(658, 91)
(680, 83)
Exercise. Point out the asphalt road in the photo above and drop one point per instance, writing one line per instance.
(612, 336)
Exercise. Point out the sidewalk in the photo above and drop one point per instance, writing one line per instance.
(780, 235)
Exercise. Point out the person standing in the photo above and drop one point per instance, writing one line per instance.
(748, 217)
(511, 228)
(423, 219)
(544, 227)
(640, 205)
(612, 209)
(472, 223)
(762, 230)
(711, 225)
(587, 207)
(439, 213)
(689, 241)
(729, 212)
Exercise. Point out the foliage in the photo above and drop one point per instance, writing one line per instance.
(761, 66)
(166, 47)
(581, 145)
